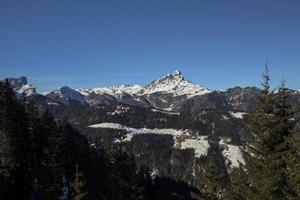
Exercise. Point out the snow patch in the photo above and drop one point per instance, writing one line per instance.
(225, 117)
(200, 145)
(109, 126)
(233, 154)
(183, 139)
(165, 112)
(53, 103)
(238, 115)
(27, 90)
(119, 109)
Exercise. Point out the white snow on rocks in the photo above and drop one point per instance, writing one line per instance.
(68, 93)
(233, 154)
(109, 126)
(182, 138)
(174, 84)
(200, 145)
(116, 91)
(165, 112)
(238, 115)
(21, 86)
(27, 90)
(119, 110)
(53, 103)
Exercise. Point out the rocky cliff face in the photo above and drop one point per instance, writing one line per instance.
(21, 86)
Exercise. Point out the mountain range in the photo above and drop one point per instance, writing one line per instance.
(171, 125)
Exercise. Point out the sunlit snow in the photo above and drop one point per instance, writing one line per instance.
(233, 154)
(182, 138)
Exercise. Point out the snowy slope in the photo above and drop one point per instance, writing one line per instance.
(116, 91)
(27, 90)
(174, 84)
(66, 94)
(182, 138)
(238, 115)
(233, 154)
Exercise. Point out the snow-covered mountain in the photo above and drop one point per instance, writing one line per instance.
(21, 86)
(174, 84)
(67, 95)
(116, 91)
(172, 92)
(165, 93)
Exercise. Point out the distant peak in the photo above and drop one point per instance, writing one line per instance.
(177, 75)
(17, 81)
(64, 88)
(177, 72)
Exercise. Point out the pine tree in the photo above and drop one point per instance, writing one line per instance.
(124, 182)
(78, 186)
(99, 170)
(266, 174)
(50, 169)
(14, 151)
(212, 183)
(294, 173)
(145, 180)
(74, 150)
(290, 143)
(240, 188)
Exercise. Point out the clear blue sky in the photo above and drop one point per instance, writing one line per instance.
(90, 43)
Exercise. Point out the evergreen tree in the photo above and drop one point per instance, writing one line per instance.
(99, 170)
(290, 143)
(74, 150)
(240, 188)
(78, 185)
(14, 151)
(50, 169)
(266, 174)
(294, 161)
(145, 180)
(212, 183)
(124, 182)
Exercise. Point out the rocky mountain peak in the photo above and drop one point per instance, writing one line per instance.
(17, 82)
(175, 84)
(176, 75)
(66, 93)
(21, 86)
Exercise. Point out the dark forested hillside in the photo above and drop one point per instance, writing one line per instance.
(242, 143)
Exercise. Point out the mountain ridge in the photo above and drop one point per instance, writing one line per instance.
(171, 92)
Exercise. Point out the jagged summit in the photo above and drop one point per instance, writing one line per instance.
(117, 91)
(65, 94)
(170, 85)
(175, 84)
(21, 86)
(175, 75)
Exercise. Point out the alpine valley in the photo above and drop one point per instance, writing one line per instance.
(170, 125)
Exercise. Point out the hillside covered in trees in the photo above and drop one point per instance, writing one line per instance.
(43, 155)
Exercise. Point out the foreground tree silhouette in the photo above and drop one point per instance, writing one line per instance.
(78, 185)
(124, 178)
(14, 150)
(267, 170)
(212, 183)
